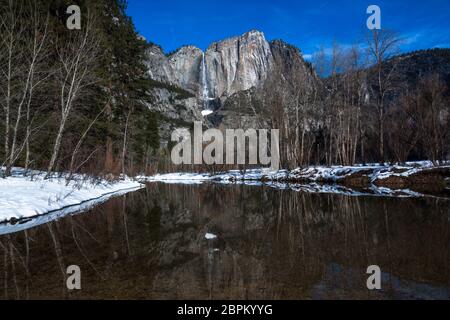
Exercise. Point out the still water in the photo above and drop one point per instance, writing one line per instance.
(214, 241)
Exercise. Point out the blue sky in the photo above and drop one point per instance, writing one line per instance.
(308, 25)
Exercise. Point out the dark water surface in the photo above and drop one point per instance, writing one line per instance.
(271, 244)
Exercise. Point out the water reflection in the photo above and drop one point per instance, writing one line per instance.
(270, 244)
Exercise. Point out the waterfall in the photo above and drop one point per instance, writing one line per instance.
(205, 92)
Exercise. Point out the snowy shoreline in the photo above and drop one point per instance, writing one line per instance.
(393, 180)
(30, 196)
(27, 196)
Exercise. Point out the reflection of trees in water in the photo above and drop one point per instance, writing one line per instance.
(271, 244)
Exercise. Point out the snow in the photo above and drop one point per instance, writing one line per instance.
(318, 179)
(32, 195)
(207, 112)
(210, 236)
(177, 178)
(27, 223)
(374, 171)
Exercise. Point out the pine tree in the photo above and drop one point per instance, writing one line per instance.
(123, 72)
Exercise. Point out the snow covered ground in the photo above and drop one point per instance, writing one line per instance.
(27, 196)
(319, 179)
(32, 196)
(177, 178)
(312, 174)
(373, 171)
(207, 112)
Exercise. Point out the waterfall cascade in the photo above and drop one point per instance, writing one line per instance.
(205, 91)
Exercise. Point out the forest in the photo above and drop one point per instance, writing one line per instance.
(372, 106)
(76, 100)
(73, 100)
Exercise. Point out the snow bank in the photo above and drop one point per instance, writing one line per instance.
(27, 223)
(22, 197)
(207, 112)
(312, 174)
(319, 179)
(373, 171)
(210, 236)
(177, 178)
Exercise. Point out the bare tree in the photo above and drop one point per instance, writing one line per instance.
(77, 148)
(290, 97)
(434, 116)
(33, 46)
(77, 58)
(402, 130)
(382, 45)
(11, 30)
(125, 139)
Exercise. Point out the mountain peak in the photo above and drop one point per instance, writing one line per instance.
(247, 36)
(184, 49)
(254, 32)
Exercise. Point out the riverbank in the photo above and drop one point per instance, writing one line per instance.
(29, 195)
(412, 178)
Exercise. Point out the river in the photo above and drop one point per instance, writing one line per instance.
(227, 241)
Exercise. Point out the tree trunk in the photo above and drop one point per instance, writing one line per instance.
(381, 134)
(56, 148)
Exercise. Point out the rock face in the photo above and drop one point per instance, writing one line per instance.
(237, 64)
(174, 111)
(289, 60)
(159, 68)
(228, 78)
(411, 68)
(186, 66)
(172, 75)
(251, 108)
(229, 66)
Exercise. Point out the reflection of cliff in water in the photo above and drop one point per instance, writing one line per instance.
(270, 244)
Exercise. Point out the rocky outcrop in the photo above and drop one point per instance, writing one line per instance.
(289, 60)
(252, 108)
(228, 66)
(186, 66)
(237, 64)
(174, 111)
(158, 65)
(174, 88)
(228, 78)
(410, 69)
